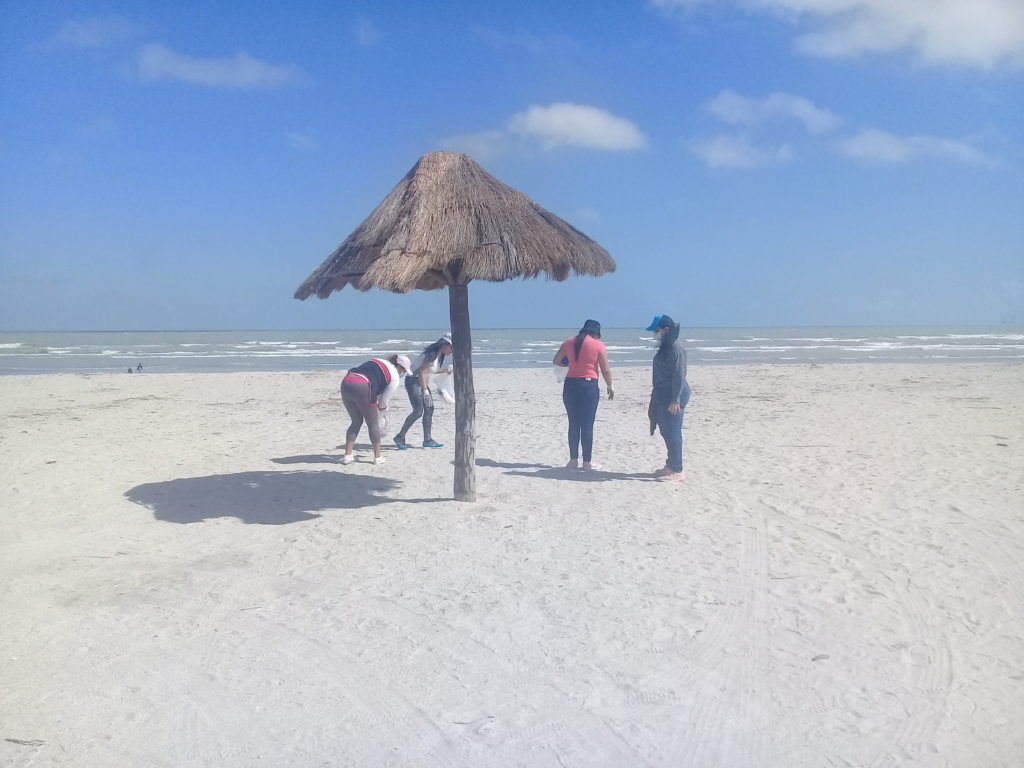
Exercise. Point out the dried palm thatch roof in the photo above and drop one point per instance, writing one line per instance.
(450, 211)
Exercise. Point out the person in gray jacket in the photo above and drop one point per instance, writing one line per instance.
(669, 395)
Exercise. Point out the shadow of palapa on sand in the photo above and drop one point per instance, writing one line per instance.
(509, 465)
(546, 471)
(364, 454)
(263, 498)
(313, 458)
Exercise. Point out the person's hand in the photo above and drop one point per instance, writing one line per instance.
(448, 370)
(611, 393)
(674, 408)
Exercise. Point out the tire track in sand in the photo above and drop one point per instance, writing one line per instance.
(388, 716)
(373, 717)
(576, 733)
(734, 701)
(933, 678)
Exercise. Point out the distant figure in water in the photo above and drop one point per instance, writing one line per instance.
(129, 370)
(139, 369)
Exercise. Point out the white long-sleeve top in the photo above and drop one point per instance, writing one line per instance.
(380, 374)
(384, 398)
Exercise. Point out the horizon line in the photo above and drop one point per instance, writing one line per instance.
(503, 328)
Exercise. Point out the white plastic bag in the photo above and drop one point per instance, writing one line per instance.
(561, 370)
(445, 386)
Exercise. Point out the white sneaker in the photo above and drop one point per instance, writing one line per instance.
(348, 458)
(380, 460)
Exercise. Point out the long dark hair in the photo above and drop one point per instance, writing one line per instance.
(668, 339)
(580, 338)
(433, 352)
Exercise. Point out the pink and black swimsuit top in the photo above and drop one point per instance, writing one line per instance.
(378, 372)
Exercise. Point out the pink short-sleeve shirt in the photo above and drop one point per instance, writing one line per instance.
(585, 366)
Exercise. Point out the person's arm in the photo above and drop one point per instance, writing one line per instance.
(425, 377)
(561, 356)
(606, 371)
(678, 377)
(384, 398)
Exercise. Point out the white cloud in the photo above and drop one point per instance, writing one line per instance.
(483, 145)
(878, 146)
(301, 140)
(96, 32)
(367, 33)
(587, 216)
(739, 152)
(977, 33)
(674, 5)
(577, 125)
(59, 158)
(557, 125)
(871, 144)
(158, 62)
(539, 45)
(735, 109)
(100, 126)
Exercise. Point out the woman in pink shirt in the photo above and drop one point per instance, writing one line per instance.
(583, 355)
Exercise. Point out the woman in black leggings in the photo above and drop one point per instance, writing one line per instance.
(417, 386)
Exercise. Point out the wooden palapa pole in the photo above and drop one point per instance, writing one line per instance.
(465, 396)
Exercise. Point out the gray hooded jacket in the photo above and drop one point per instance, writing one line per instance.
(669, 372)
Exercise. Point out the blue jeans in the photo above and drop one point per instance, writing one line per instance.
(581, 397)
(671, 427)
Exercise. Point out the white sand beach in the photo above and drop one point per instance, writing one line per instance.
(189, 577)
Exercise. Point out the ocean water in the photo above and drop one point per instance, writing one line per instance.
(198, 351)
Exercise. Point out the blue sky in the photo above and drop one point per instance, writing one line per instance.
(746, 162)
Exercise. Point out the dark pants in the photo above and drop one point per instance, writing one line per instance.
(671, 427)
(419, 408)
(356, 397)
(581, 397)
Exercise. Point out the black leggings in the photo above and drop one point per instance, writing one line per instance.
(419, 408)
(581, 397)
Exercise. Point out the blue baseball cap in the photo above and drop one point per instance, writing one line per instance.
(660, 321)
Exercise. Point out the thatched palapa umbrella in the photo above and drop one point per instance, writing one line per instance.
(446, 223)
